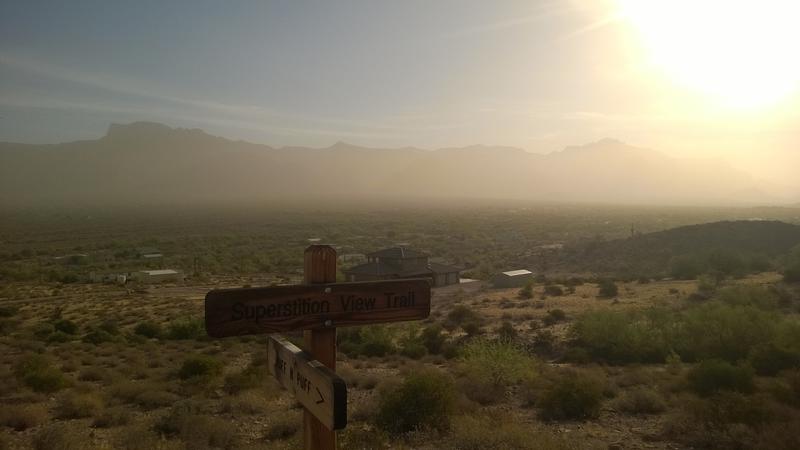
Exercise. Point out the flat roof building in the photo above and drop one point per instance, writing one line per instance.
(513, 278)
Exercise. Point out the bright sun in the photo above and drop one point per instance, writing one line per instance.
(742, 53)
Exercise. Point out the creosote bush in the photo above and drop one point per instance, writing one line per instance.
(148, 329)
(715, 375)
(607, 289)
(36, 372)
(186, 329)
(200, 366)
(424, 400)
(573, 396)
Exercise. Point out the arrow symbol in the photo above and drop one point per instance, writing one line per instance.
(321, 399)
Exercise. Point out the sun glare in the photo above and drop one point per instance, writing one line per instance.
(742, 54)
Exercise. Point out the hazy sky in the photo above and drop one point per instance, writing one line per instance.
(715, 80)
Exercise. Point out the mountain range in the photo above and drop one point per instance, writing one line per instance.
(146, 163)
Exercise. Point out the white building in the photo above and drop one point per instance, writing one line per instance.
(157, 276)
(513, 278)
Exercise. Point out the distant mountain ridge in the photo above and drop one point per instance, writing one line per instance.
(150, 163)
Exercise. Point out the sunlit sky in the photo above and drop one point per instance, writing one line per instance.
(690, 78)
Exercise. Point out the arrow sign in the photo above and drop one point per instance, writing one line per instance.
(316, 387)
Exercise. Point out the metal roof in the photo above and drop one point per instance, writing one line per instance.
(160, 272)
(516, 273)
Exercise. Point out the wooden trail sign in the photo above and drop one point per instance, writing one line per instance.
(317, 388)
(317, 308)
(234, 312)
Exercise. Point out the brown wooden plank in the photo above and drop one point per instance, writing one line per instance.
(321, 392)
(319, 267)
(235, 312)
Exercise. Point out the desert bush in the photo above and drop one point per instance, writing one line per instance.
(411, 344)
(22, 417)
(716, 375)
(36, 372)
(424, 400)
(769, 358)
(112, 417)
(8, 311)
(526, 292)
(200, 366)
(496, 362)
(607, 289)
(624, 336)
(460, 316)
(553, 290)
(98, 336)
(65, 326)
(640, 400)
(367, 341)
(506, 332)
(573, 396)
(186, 329)
(433, 339)
(148, 329)
(554, 316)
(78, 406)
(283, 427)
(500, 433)
(61, 437)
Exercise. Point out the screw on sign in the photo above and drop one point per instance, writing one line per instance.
(317, 307)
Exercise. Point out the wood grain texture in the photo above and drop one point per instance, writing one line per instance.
(319, 267)
(321, 392)
(235, 312)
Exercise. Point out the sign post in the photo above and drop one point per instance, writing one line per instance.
(316, 307)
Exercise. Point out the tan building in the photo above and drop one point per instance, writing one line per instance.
(400, 262)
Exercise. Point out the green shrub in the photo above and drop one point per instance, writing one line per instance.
(65, 326)
(625, 336)
(22, 417)
(497, 363)
(769, 359)
(714, 375)
(506, 332)
(641, 401)
(433, 339)
(59, 336)
(36, 372)
(526, 292)
(186, 329)
(200, 366)
(554, 316)
(98, 336)
(367, 341)
(78, 406)
(148, 329)
(573, 396)
(8, 311)
(425, 400)
(461, 315)
(607, 289)
(553, 290)
(501, 433)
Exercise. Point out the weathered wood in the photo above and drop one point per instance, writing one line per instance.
(316, 387)
(319, 267)
(234, 312)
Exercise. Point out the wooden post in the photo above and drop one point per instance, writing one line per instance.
(319, 267)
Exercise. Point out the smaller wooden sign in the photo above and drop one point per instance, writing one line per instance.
(236, 312)
(317, 388)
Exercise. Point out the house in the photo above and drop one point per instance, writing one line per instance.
(513, 278)
(148, 253)
(157, 276)
(108, 277)
(401, 262)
